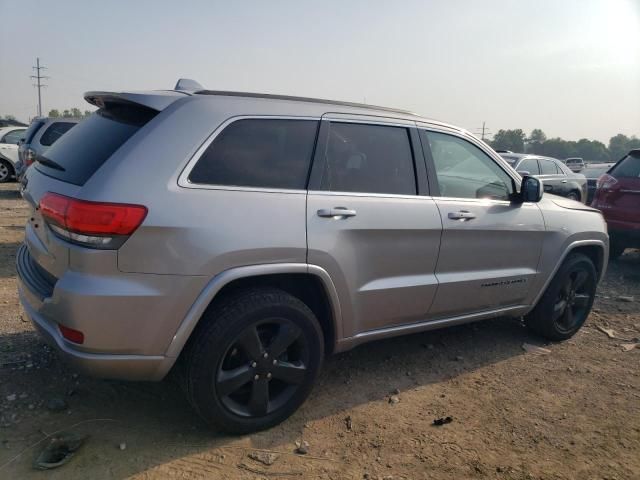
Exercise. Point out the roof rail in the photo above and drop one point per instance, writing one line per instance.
(301, 99)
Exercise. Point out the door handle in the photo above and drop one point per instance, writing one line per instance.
(336, 212)
(564, 181)
(462, 215)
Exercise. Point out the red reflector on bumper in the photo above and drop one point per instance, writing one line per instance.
(72, 335)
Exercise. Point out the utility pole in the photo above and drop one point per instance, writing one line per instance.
(484, 131)
(39, 83)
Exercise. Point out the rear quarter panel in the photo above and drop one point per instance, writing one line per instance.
(196, 231)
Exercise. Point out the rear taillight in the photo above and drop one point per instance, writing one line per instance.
(75, 336)
(92, 224)
(30, 157)
(606, 182)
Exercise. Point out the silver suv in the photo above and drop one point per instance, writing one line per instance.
(240, 238)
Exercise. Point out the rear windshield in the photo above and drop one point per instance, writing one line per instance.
(629, 166)
(54, 132)
(32, 130)
(86, 147)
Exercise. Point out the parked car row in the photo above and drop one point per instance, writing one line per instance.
(557, 177)
(19, 146)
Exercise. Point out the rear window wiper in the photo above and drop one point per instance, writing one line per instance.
(49, 163)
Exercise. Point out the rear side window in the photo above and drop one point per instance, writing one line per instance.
(547, 167)
(368, 159)
(260, 153)
(628, 167)
(87, 146)
(54, 132)
(32, 130)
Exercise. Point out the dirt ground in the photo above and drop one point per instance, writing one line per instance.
(572, 413)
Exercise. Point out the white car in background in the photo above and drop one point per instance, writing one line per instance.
(9, 138)
(575, 164)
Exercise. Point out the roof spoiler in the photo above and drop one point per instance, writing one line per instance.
(158, 100)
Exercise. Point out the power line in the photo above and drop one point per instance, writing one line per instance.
(483, 132)
(39, 79)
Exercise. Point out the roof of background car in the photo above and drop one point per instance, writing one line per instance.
(11, 128)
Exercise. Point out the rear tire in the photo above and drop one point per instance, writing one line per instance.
(567, 302)
(6, 171)
(253, 361)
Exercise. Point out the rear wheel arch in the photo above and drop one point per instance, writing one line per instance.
(311, 285)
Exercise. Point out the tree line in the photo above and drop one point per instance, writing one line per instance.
(70, 113)
(590, 150)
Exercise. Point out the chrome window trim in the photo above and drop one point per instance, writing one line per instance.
(334, 117)
(330, 193)
(183, 178)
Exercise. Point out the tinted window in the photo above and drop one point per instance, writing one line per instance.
(13, 137)
(594, 172)
(529, 165)
(368, 159)
(32, 130)
(54, 132)
(629, 166)
(87, 146)
(547, 167)
(259, 153)
(465, 171)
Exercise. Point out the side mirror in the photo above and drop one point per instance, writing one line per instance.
(531, 189)
(523, 173)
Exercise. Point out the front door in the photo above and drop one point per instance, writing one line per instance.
(490, 246)
(370, 225)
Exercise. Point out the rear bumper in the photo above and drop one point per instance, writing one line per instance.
(122, 367)
(128, 319)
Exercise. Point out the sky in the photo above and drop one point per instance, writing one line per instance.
(569, 67)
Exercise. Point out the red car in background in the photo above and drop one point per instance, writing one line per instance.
(618, 197)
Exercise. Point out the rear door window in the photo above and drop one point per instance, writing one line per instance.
(368, 159)
(547, 167)
(54, 132)
(529, 165)
(628, 167)
(84, 148)
(259, 153)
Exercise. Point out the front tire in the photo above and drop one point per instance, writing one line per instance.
(567, 302)
(253, 361)
(574, 196)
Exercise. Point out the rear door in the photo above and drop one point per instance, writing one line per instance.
(370, 223)
(490, 246)
(553, 178)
